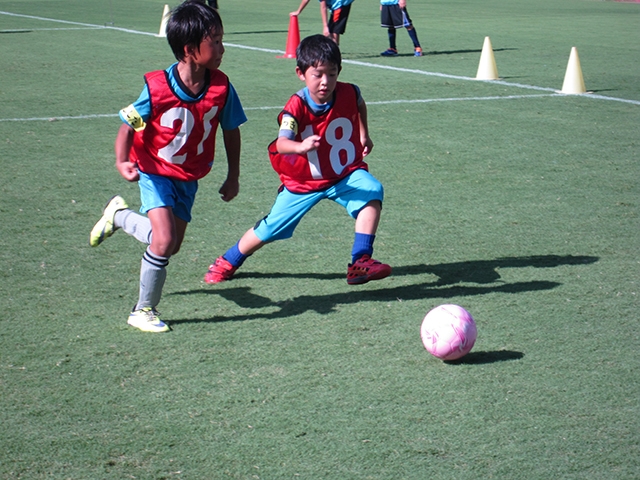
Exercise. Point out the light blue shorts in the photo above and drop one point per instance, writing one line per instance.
(353, 193)
(158, 191)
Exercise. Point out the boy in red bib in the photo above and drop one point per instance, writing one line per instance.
(167, 143)
(319, 154)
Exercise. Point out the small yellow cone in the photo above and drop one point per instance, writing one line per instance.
(163, 22)
(487, 69)
(573, 80)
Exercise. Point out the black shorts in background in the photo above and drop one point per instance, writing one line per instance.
(392, 16)
(338, 20)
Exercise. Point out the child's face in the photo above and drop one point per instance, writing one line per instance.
(320, 80)
(210, 51)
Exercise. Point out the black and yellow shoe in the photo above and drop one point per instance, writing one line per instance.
(105, 227)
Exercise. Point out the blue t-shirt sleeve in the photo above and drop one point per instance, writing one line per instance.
(232, 115)
(141, 110)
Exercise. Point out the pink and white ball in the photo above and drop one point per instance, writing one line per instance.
(448, 332)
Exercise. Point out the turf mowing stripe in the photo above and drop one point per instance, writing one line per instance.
(351, 62)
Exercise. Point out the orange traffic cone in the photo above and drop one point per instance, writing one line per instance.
(293, 39)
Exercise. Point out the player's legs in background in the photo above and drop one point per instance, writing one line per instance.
(392, 51)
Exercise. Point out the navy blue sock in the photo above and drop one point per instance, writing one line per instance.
(234, 256)
(392, 38)
(414, 37)
(362, 245)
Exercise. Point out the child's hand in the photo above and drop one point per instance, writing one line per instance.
(367, 144)
(310, 143)
(229, 189)
(129, 170)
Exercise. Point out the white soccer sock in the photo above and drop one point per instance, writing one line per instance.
(153, 273)
(134, 224)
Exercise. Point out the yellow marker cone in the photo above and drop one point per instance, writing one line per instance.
(163, 22)
(487, 69)
(573, 80)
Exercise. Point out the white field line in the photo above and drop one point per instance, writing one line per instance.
(462, 99)
(27, 30)
(67, 22)
(553, 92)
(55, 119)
(384, 102)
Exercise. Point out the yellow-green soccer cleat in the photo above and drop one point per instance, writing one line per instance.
(147, 319)
(105, 228)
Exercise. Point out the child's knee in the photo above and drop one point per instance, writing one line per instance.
(165, 247)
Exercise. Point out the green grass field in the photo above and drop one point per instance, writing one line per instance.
(504, 197)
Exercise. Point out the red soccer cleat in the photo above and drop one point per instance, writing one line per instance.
(220, 271)
(365, 269)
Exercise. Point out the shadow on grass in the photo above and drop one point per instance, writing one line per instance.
(428, 53)
(603, 90)
(450, 275)
(486, 271)
(475, 271)
(478, 358)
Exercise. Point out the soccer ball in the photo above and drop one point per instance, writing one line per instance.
(448, 332)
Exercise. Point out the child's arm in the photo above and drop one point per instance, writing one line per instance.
(303, 4)
(286, 146)
(366, 141)
(323, 14)
(286, 143)
(231, 186)
(124, 142)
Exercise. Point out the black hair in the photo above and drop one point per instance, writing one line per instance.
(317, 49)
(189, 24)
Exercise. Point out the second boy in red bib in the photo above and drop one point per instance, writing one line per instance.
(319, 154)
